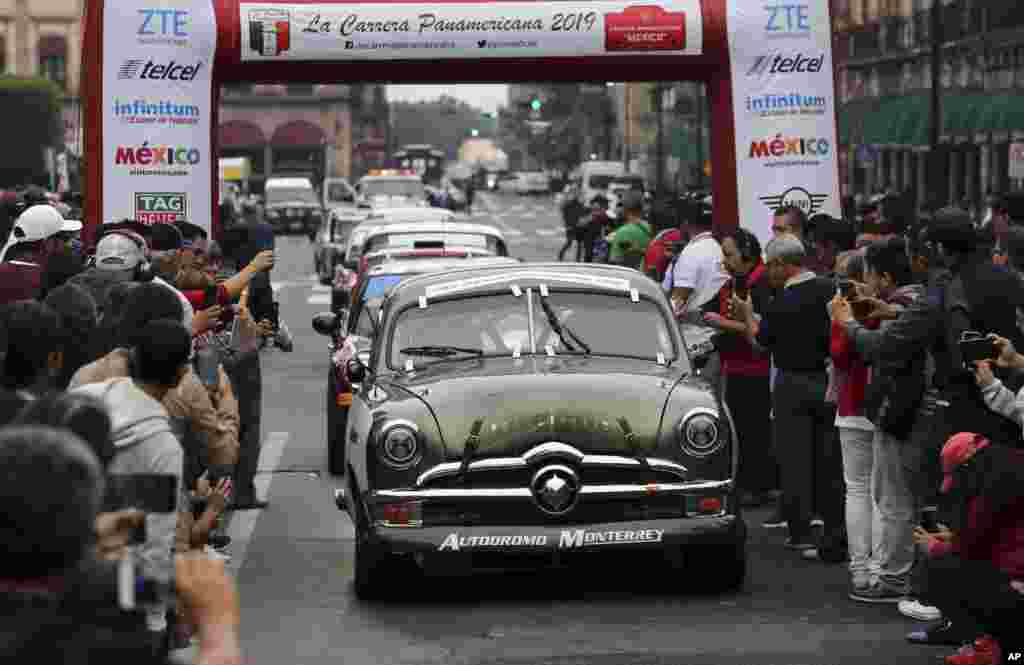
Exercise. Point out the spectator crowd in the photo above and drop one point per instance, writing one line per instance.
(131, 364)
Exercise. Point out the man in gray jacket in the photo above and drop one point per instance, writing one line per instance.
(143, 439)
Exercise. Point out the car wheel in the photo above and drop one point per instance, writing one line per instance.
(337, 424)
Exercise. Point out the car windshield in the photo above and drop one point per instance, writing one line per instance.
(338, 192)
(431, 240)
(290, 194)
(410, 187)
(340, 230)
(600, 181)
(376, 290)
(597, 324)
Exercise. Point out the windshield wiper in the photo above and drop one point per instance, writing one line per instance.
(439, 351)
(559, 329)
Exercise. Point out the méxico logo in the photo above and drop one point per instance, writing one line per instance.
(161, 207)
(797, 197)
(790, 151)
(269, 31)
(646, 28)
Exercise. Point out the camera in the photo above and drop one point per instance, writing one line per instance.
(847, 289)
(929, 519)
(974, 347)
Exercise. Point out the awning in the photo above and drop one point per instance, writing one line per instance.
(906, 119)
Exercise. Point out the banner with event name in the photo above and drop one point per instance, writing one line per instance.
(784, 107)
(427, 31)
(157, 92)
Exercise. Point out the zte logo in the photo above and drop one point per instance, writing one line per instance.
(163, 23)
(788, 20)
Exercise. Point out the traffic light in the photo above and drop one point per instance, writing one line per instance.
(475, 132)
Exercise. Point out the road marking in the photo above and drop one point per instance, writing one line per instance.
(321, 288)
(319, 299)
(243, 522)
(547, 232)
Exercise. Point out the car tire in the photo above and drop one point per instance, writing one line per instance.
(337, 424)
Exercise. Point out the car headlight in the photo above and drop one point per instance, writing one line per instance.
(399, 445)
(700, 433)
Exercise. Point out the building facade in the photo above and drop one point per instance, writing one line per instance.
(42, 38)
(286, 129)
(884, 54)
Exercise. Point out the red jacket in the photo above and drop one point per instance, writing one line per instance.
(20, 280)
(998, 539)
(851, 374)
(742, 360)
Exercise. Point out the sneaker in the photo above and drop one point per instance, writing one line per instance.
(915, 609)
(810, 554)
(879, 593)
(941, 632)
(860, 581)
(817, 521)
(776, 521)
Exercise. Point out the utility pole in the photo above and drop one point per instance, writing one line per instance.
(659, 91)
(699, 89)
(936, 156)
(626, 127)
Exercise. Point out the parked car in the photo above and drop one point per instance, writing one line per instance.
(390, 189)
(330, 242)
(292, 205)
(351, 326)
(504, 420)
(533, 182)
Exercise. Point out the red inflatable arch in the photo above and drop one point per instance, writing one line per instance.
(153, 71)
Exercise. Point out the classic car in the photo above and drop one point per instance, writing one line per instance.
(292, 205)
(529, 415)
(350, 326)
(435, 235)
(330, 243)
(383, 216)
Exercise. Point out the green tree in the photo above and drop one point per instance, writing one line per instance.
(444, 123)
(31, 111)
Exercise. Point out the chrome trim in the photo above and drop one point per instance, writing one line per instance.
(382, 437)
(529, 321)
(555, 449)
(586, 491)
(573, 481)
(681, 431)
(382, 524)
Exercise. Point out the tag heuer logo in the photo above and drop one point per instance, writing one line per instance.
(161, 207)
(798, 197)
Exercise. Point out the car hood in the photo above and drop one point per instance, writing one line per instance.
(531, 400)
(291, 204)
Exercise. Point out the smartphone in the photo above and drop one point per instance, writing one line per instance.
(973, 349)
(847, 289)
(275, 315)
(929, 519)
(206, 364)
(740, 286)
(148, 492)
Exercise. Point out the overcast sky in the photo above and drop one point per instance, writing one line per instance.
(485, 97)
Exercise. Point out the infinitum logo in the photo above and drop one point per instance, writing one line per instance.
(153, 112)
(767, 106)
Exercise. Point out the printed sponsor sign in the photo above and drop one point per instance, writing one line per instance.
(157, 92)
(567, 539)
(161, 207)
(784, 115)
(409, 31)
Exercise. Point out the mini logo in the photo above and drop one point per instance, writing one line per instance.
(153, 112)
(161, 207)
(781, 63)
(795, 103)
(148, 70)
(796, 196)
(269, 31)
(555, 489)
(645, 29)
(788, 151)
(163, 26)
(788, 20)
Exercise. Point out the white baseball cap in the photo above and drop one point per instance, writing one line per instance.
(118, 252)
(37, 223)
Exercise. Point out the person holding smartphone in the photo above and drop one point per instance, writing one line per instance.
(746, 371)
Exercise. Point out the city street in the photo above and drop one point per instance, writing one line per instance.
(294, 560)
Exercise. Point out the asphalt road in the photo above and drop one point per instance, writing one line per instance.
(293, 561)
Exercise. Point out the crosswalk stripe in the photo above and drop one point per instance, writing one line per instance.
(321, 288)
(319, 299)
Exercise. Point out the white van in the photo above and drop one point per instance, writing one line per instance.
(595, 178)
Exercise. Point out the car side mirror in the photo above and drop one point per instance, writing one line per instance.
(356, 370)
(326, 323)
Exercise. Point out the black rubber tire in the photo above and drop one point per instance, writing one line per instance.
(337, 422)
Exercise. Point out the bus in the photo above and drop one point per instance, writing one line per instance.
(426, 160)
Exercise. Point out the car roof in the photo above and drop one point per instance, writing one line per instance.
(440, 264)
(402, 252)
(409, 214)
(274, 183)
(436, 227)
(467, 280)
(414, 178)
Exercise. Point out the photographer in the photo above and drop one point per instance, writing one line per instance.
(975, 572)
(997, 396)
(58, 597)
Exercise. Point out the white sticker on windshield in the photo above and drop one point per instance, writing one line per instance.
(423, 302)
(517, 351)
(516, 291)
(634, 295)
(409, 365)
(661, 358)
(550, 350)
(543, 290)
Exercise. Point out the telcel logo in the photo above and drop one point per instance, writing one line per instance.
(782, 147)
(150, 71)
(788, 19)
(777, 63)
(163, 23)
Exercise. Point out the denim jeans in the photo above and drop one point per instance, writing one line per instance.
(247, 381)
(863, 524)
(896, 504)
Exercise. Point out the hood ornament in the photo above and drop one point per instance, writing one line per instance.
(555, 489)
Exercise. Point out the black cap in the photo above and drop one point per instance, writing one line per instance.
(632, 200)
(953, 229)
(165, 238)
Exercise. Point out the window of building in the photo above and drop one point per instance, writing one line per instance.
(53, 59)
